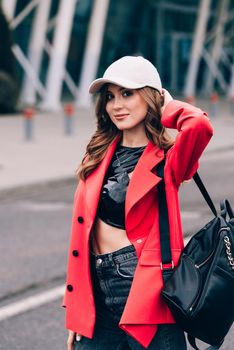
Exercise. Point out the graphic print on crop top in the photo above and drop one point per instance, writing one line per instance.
(111, 207)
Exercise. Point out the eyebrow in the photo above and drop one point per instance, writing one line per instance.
(119, 89)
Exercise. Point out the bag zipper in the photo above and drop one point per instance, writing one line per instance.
(207, 259)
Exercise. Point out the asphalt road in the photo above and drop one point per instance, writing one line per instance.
(35, 227)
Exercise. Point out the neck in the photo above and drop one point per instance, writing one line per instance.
(134, 138)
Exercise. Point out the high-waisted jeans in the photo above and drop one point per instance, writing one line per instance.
(112, 276)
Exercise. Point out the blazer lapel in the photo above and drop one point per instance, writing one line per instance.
(143, 179)
(93, 183)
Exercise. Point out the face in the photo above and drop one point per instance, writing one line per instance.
(126, 107)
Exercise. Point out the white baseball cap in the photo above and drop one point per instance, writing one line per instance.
(131, 72)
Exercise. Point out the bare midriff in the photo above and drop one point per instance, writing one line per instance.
(106, 239)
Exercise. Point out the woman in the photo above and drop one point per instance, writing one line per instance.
(114, 275)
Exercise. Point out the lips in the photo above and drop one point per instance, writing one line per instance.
(120, 116)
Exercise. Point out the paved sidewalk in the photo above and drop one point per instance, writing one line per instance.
(52, 155)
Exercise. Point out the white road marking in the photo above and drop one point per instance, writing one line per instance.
(43, 206)
(30, 303)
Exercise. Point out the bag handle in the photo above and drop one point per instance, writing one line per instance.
(226, 209)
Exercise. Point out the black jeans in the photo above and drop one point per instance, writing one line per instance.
(112, 276)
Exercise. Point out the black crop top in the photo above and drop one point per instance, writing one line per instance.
(111, 207)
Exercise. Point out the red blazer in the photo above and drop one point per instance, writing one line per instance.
(144, 308)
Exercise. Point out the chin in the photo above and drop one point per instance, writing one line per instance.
(124, 126)
(120, 127)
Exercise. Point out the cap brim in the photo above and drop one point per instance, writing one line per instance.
(98, 83)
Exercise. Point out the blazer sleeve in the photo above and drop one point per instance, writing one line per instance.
(194, 133)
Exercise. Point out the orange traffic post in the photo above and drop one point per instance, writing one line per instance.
(214, 100)
(28, 114)
(69, 114)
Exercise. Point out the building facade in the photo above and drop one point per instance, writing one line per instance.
(60, 46)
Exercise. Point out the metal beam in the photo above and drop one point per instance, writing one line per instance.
(9, 7)
(159, 36)
(67, 77)
(216, 50)
(210, 36)
(36, 49)
(92, 50)
(225, 59)
(175, 7)
(214, 69)
(24, 13)
(23, 61)
(199, 38)
(61, 41)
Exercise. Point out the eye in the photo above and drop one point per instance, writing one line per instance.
(109, 96)
(127, 93)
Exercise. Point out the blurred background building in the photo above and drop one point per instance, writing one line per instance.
(50, 50)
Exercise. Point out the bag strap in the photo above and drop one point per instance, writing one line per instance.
(163, 216)
(204, 192)
(166, 256)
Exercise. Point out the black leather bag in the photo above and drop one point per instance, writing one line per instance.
(200, 290)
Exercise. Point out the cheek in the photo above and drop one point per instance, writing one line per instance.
(108, 108)
(109, 112)
(144, 111)
(141, 112)
(139, 107)
(109, 105)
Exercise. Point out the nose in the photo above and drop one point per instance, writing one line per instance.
(117, 102)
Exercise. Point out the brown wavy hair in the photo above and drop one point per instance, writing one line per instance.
(107, 131)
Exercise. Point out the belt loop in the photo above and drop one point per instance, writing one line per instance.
(110, 257)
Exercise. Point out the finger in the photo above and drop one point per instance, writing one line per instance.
(69, 345)
(70, 340)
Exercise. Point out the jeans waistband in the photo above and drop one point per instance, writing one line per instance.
(117, 256)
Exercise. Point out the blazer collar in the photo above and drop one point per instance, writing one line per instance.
(142, 180)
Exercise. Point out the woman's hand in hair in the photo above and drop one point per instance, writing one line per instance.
(72, 336)
(167, 98)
